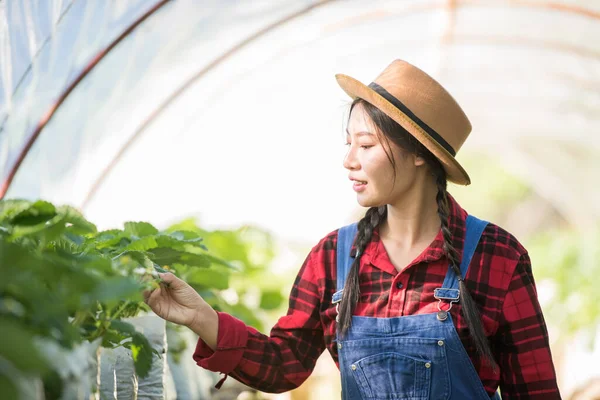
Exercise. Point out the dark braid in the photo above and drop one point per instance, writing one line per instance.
(469, 307)
(372, 219)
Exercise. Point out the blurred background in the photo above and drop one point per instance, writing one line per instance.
(228, 112)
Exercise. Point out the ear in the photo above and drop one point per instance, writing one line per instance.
(418, 160)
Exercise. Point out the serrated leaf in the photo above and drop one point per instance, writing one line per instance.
(77, 223)
(143, 244)
(141, 258)
(106, 239)
(142, 352)
(174, 242)
(141, 349)
(34, 214)
(123, 327)
(168, 256)
(140, 229)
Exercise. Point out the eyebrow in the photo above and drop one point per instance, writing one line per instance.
(361, 133)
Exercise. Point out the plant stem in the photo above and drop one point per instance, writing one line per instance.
(120, 309)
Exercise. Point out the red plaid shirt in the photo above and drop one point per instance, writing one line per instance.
(499, 279)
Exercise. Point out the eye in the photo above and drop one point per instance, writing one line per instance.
(366, 146)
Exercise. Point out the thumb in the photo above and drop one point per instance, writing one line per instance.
(171, 280)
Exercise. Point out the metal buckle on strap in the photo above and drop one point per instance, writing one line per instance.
(336, 299)
(444, 295)
(337, 296)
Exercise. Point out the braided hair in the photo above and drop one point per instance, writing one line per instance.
(392, 131)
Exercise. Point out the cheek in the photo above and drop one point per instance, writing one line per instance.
(380, 170)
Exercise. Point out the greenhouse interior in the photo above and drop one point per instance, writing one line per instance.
(113, 113)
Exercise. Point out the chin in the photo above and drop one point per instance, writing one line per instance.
(368, 203)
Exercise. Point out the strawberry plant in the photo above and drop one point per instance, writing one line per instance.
(65, 282)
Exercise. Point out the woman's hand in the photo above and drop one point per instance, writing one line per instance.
(178, 302)
(175, 300)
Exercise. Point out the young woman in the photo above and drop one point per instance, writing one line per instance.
(418, 300)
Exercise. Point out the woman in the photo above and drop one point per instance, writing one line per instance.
(416, 301)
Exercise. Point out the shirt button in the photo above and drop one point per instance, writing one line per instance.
(339, 345)
(427, 365)
(440, 342)
(353, 367)
(399, 285)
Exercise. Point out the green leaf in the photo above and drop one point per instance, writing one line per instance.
(220, 261)
(76, 223)
(123, 327)
(168, 256)
(107, 239)
(271, 300)
(186, 236)
(17, 341)
(142, 351)
(143, 244)
(49, 227)
(32, 213)
(114, 289)
(140, 229)
(209, 278)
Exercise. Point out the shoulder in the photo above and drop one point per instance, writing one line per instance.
(500, 253)
(320, 265)
(501, 242)
(323, 253)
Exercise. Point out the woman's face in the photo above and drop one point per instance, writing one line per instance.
(370, 169)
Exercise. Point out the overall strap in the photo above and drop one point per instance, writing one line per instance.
(449, 289)
(345, 240)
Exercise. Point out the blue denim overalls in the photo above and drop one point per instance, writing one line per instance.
(416, 357)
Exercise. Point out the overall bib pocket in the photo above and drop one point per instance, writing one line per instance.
(392, 376)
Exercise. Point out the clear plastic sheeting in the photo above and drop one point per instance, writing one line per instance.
(44, 45)
(229, 110)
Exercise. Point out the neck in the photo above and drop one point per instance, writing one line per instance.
(413, 220)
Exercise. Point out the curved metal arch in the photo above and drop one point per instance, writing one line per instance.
(434, 5)
(52, 110)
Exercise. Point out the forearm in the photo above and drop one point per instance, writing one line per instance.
(275, 363)
(206, 325)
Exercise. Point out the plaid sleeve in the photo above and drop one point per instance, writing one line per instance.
(281, 361)
(523, 349)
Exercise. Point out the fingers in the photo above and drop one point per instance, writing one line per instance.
(171, 280)
(147, 294)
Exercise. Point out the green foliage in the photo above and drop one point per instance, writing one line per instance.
(241, 257)
(569, 259)
(65, 282)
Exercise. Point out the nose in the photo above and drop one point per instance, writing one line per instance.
(350, 160)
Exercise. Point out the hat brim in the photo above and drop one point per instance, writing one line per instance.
(356, 89)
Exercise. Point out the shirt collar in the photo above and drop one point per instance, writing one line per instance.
(376, 255)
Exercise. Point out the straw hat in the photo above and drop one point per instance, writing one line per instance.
(421, 106)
